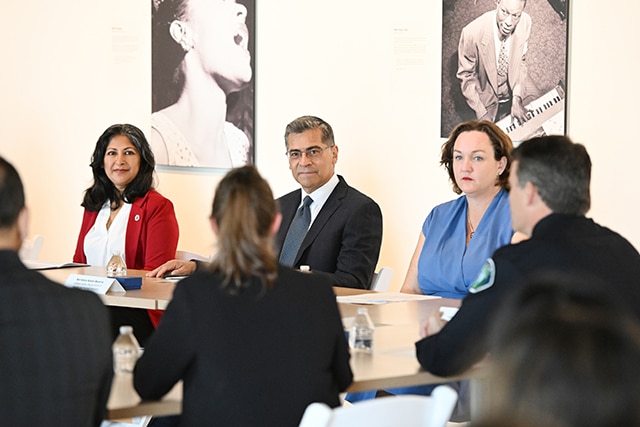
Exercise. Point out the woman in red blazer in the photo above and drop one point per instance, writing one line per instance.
(123, 212)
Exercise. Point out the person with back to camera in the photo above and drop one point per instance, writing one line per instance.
(255, 342)
(564, 351)
(458, 236)
(200, 57)
(548, 197)
(55, 362)
(344, 234)
(124, 212)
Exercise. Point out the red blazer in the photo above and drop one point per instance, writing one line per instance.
(152, 235)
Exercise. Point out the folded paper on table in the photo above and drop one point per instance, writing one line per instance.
(382, 298)
(48, 265)
(99, 285)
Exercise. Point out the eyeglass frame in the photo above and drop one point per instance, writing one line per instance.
(308, 152)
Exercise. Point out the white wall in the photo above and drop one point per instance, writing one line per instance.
(61, 86)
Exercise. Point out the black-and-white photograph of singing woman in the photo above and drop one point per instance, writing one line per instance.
(203, 82)
(505, 61)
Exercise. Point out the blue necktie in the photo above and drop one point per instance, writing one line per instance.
(297, 230)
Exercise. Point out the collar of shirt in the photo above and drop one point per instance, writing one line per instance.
(320, 196)
(100, 242)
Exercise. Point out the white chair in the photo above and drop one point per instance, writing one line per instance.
(141, 421)
(30, 249)
(382, 279)
(404, 410)
(188, 256)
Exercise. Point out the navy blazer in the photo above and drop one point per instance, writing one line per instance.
(344, 240)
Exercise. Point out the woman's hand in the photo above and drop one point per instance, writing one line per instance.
(432, 325)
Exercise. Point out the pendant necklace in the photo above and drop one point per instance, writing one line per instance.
(471, 229)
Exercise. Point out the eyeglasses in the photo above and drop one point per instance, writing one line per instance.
(311, 153)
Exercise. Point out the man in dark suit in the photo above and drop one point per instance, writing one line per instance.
(344, 237)
(55, 361)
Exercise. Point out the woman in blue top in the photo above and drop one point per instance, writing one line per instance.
(458, 236)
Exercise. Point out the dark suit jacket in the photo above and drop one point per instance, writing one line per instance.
(344, 239)
(257, 358)
(55, 355)
(559, 242)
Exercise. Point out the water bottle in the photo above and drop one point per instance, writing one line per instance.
(116, 266)
(361, 335)
(125, 351)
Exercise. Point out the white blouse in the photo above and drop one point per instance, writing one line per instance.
(100, 242)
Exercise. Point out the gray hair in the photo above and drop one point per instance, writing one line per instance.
(305, 123)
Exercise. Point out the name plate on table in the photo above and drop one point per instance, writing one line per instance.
(97, 284)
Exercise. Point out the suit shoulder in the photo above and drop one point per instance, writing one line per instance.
(80, 295)
(74, 299)
(354, 194)
(305, 283)
(290, 195)
(515, 250)
(155, 198)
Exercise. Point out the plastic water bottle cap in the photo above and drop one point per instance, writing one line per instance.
(126, 329)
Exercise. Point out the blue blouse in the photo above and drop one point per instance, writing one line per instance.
(447, 265)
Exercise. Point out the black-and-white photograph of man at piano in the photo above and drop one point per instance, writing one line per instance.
(505, 61)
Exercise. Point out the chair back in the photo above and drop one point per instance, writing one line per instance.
(404, 410)
(30, 249)
(382, 279)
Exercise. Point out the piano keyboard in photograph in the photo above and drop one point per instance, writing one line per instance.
(548, 109)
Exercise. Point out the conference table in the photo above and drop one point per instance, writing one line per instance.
(392, 363)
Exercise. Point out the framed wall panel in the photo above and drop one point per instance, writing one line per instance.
(535, 71)
(203, 74)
